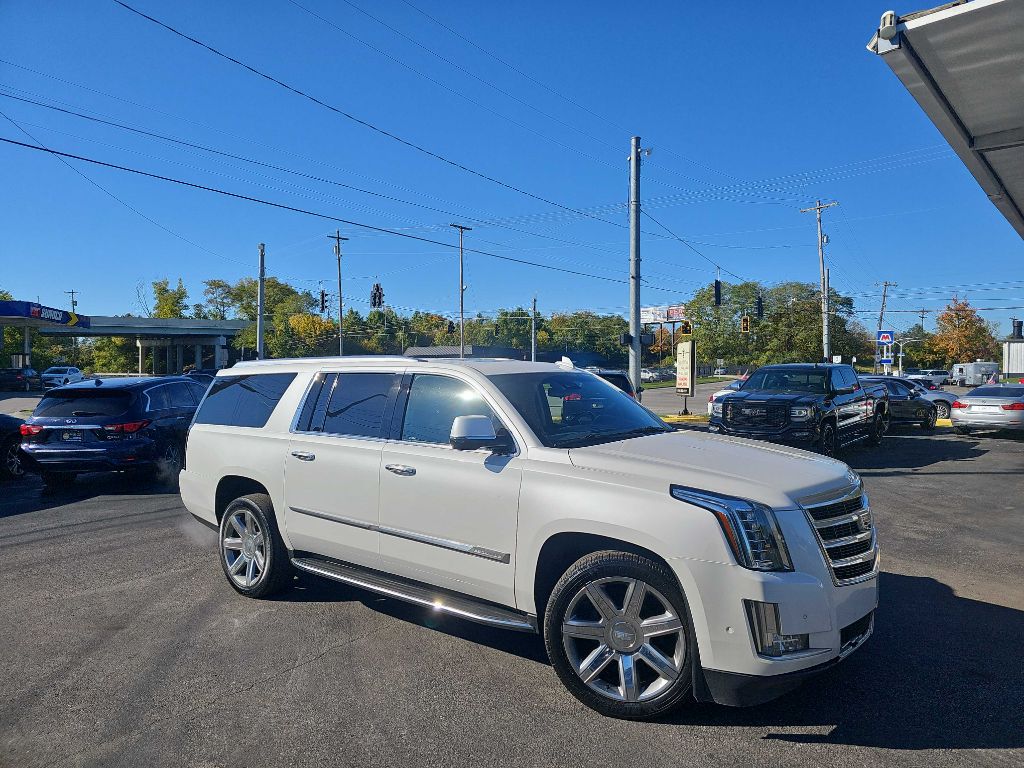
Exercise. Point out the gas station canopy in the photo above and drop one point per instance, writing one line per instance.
(963, 63)
(28, 314)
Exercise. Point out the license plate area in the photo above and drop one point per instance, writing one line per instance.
(987, 408)
(71, 435)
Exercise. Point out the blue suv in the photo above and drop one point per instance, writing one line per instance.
(110, 425)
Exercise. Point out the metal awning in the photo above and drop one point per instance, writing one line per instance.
(964, 64)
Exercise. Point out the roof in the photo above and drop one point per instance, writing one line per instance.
(486, 366)
(471, 350)
(804, 365)
(121, 382)
(962, 63)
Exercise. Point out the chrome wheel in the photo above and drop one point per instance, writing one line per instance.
(244, 547)
(623, 639)
(11, 460)
(942, 410)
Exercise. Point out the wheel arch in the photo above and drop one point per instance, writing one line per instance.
(562, 549)
(230, 487)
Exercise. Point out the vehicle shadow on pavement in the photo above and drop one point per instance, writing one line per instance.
(30, 495)
(903, 453)
(940, 672)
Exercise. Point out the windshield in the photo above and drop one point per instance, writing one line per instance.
(997, 392)
(573, 409)
(788, 380)
(70, 402)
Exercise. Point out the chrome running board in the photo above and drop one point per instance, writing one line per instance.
(443, 602)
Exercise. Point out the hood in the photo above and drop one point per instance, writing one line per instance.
(770, 396)
(771, 474)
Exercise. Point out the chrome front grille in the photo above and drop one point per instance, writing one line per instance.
(845, 530)
(745, 414)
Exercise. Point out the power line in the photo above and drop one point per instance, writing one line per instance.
(364, 123)
(681, 240)
(317, 214)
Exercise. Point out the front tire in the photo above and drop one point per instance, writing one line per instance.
(252, 552)
(928, 425)
(828, 443)
(618, 634)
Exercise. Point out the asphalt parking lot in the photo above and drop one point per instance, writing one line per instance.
(123, 645)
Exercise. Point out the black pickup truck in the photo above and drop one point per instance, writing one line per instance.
(809, 405)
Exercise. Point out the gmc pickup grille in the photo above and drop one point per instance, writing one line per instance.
(746, 414)
(846, 532)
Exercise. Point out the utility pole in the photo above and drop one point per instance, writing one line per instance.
(881, 312)
(462, 293)
(337, 238)
(533, 331)
(635, 349)
(260, 291)
(818, 208)
(74, 304)
(922, 313)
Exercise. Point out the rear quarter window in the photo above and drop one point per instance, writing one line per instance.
(243, 401)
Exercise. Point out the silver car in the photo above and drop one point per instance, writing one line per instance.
(995, 406)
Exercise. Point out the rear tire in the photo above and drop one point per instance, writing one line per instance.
(879, 426)
(10, 462)
(617, 632)
(941, 409)
(252, 552)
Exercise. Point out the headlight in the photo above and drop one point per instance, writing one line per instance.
(800, 414)
(716, 409)
(750, 528)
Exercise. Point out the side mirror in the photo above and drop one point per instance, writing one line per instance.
(844, 390)
(470, 433)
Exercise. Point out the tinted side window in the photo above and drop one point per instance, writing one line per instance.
(243, 401)
(357, 404)
(897, 389)
(179, 396)
(198, 390)
(156, 399)
(434, 402)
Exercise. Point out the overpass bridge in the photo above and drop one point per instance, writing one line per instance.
(206, 340)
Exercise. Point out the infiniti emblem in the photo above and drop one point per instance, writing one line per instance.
(70, 421)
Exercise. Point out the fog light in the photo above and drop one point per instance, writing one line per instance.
(765, 625)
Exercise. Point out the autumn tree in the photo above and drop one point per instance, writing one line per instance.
(961, 335)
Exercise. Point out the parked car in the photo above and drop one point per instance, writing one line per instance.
(720, 372)
(727, 390)
(20, 379)
(943, 400)
(533, 497)
(649, 374)
(973, 374)
(997, 406)
(619, 379)
(129, 424)
(813, 405)
(907, 405)
(58, 376)
(10, 441)
(932, 378)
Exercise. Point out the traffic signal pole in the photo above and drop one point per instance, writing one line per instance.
(634, 265)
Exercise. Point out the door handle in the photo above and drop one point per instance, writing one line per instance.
(303, 455)
(400, 469)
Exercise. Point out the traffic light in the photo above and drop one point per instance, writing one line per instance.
(718, 293)
(686, 327)
(745, 324)
(760, 307)
(376, 296)
(323, 300)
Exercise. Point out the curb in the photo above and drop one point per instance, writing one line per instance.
(677, 419)
(943, 423)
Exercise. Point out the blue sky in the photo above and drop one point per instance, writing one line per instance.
(728, 96)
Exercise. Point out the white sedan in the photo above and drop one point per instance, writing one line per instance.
(733, 386)
(58, 376)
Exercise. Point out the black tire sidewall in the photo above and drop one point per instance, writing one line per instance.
(606, 564)
(5, 448)
(277, 570)
(835, 440)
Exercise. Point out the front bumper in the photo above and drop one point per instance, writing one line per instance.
(795, 434)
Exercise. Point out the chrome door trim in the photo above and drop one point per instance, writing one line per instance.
(421, 538)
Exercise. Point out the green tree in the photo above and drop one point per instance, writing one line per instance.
(169, 302)
(114, 354)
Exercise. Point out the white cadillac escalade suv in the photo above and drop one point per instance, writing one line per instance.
(659, 566)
